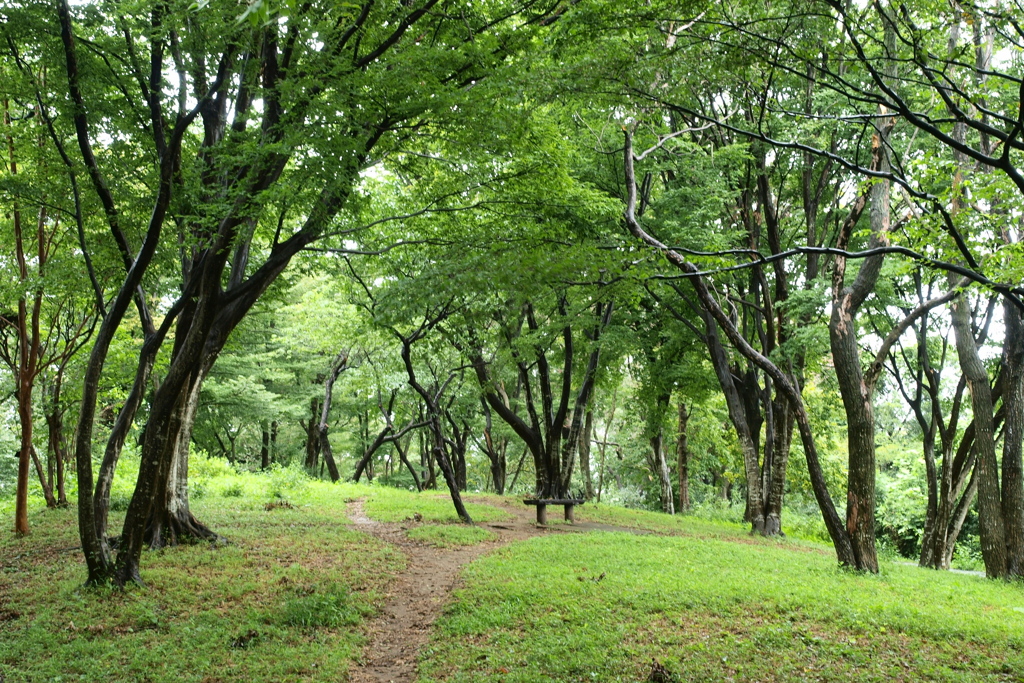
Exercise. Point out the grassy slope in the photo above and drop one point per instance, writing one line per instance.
(713, 604)
(283, 602)
(263, 608)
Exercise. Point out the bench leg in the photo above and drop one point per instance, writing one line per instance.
(542, 514)
(569, 514)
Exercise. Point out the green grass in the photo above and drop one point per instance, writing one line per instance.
(287, 598)
(450, 535)
(283, 601)
(395, 505)
(600, 607)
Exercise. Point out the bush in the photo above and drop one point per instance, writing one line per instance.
(233, 490)
(628, 497)
(284, 480)
(202, 466)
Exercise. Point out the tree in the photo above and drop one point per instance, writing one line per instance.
(52, 322)
(254, 187)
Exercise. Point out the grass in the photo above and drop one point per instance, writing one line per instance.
(450, 535)
(797, 528)
(287, 600)
(600, 607)
(395, 505)
(282, 602)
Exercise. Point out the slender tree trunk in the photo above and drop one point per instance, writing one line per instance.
(585, 439)
(312, 437)
(339, 364)
(990, 513)
(519, 467)
(264, 446)
(365, 461)
(683, 460)
(45, 482)
(434, 415)
(664, 476)
(1013, 434)
(738, 415)
(24, 374)
(56, 445)
(856, 394)
(959, 516)
(930, 535)
(408, 465)
(495, 452)
(783, 416)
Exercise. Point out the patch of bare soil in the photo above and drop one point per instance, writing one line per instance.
(416, 596)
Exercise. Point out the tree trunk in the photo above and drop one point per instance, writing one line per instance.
(683, 460)
(784, 419)
(585, 439)
(990, 515)
(433, 411)
(408, 465)
(855, 392)
(934, 532)
(56, 445)
(959, 516)
(739, 418)
(312, 436)
(172, 521)
(1013, 434)
(495, 451)
(273, 440)
(662, 471)
(264, 446)
(339, 365)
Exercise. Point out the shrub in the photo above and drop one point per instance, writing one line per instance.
(233, 490)
(284, 480)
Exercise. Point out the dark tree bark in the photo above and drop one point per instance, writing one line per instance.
(840, 538)
(441, 444)
(264, 446)
(585, 443)
(495, 450)
(683, 460)
(990, 514)
(337, 367)
(1013, 434)
(365, 459)
(459, 441)
(660, 466)
(312, 442)
(551, 441)
(739, 416)
(843, 338)
(387, 435)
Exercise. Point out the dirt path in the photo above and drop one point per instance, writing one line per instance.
(416, 596)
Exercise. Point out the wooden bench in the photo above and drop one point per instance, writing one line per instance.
(542, 507)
